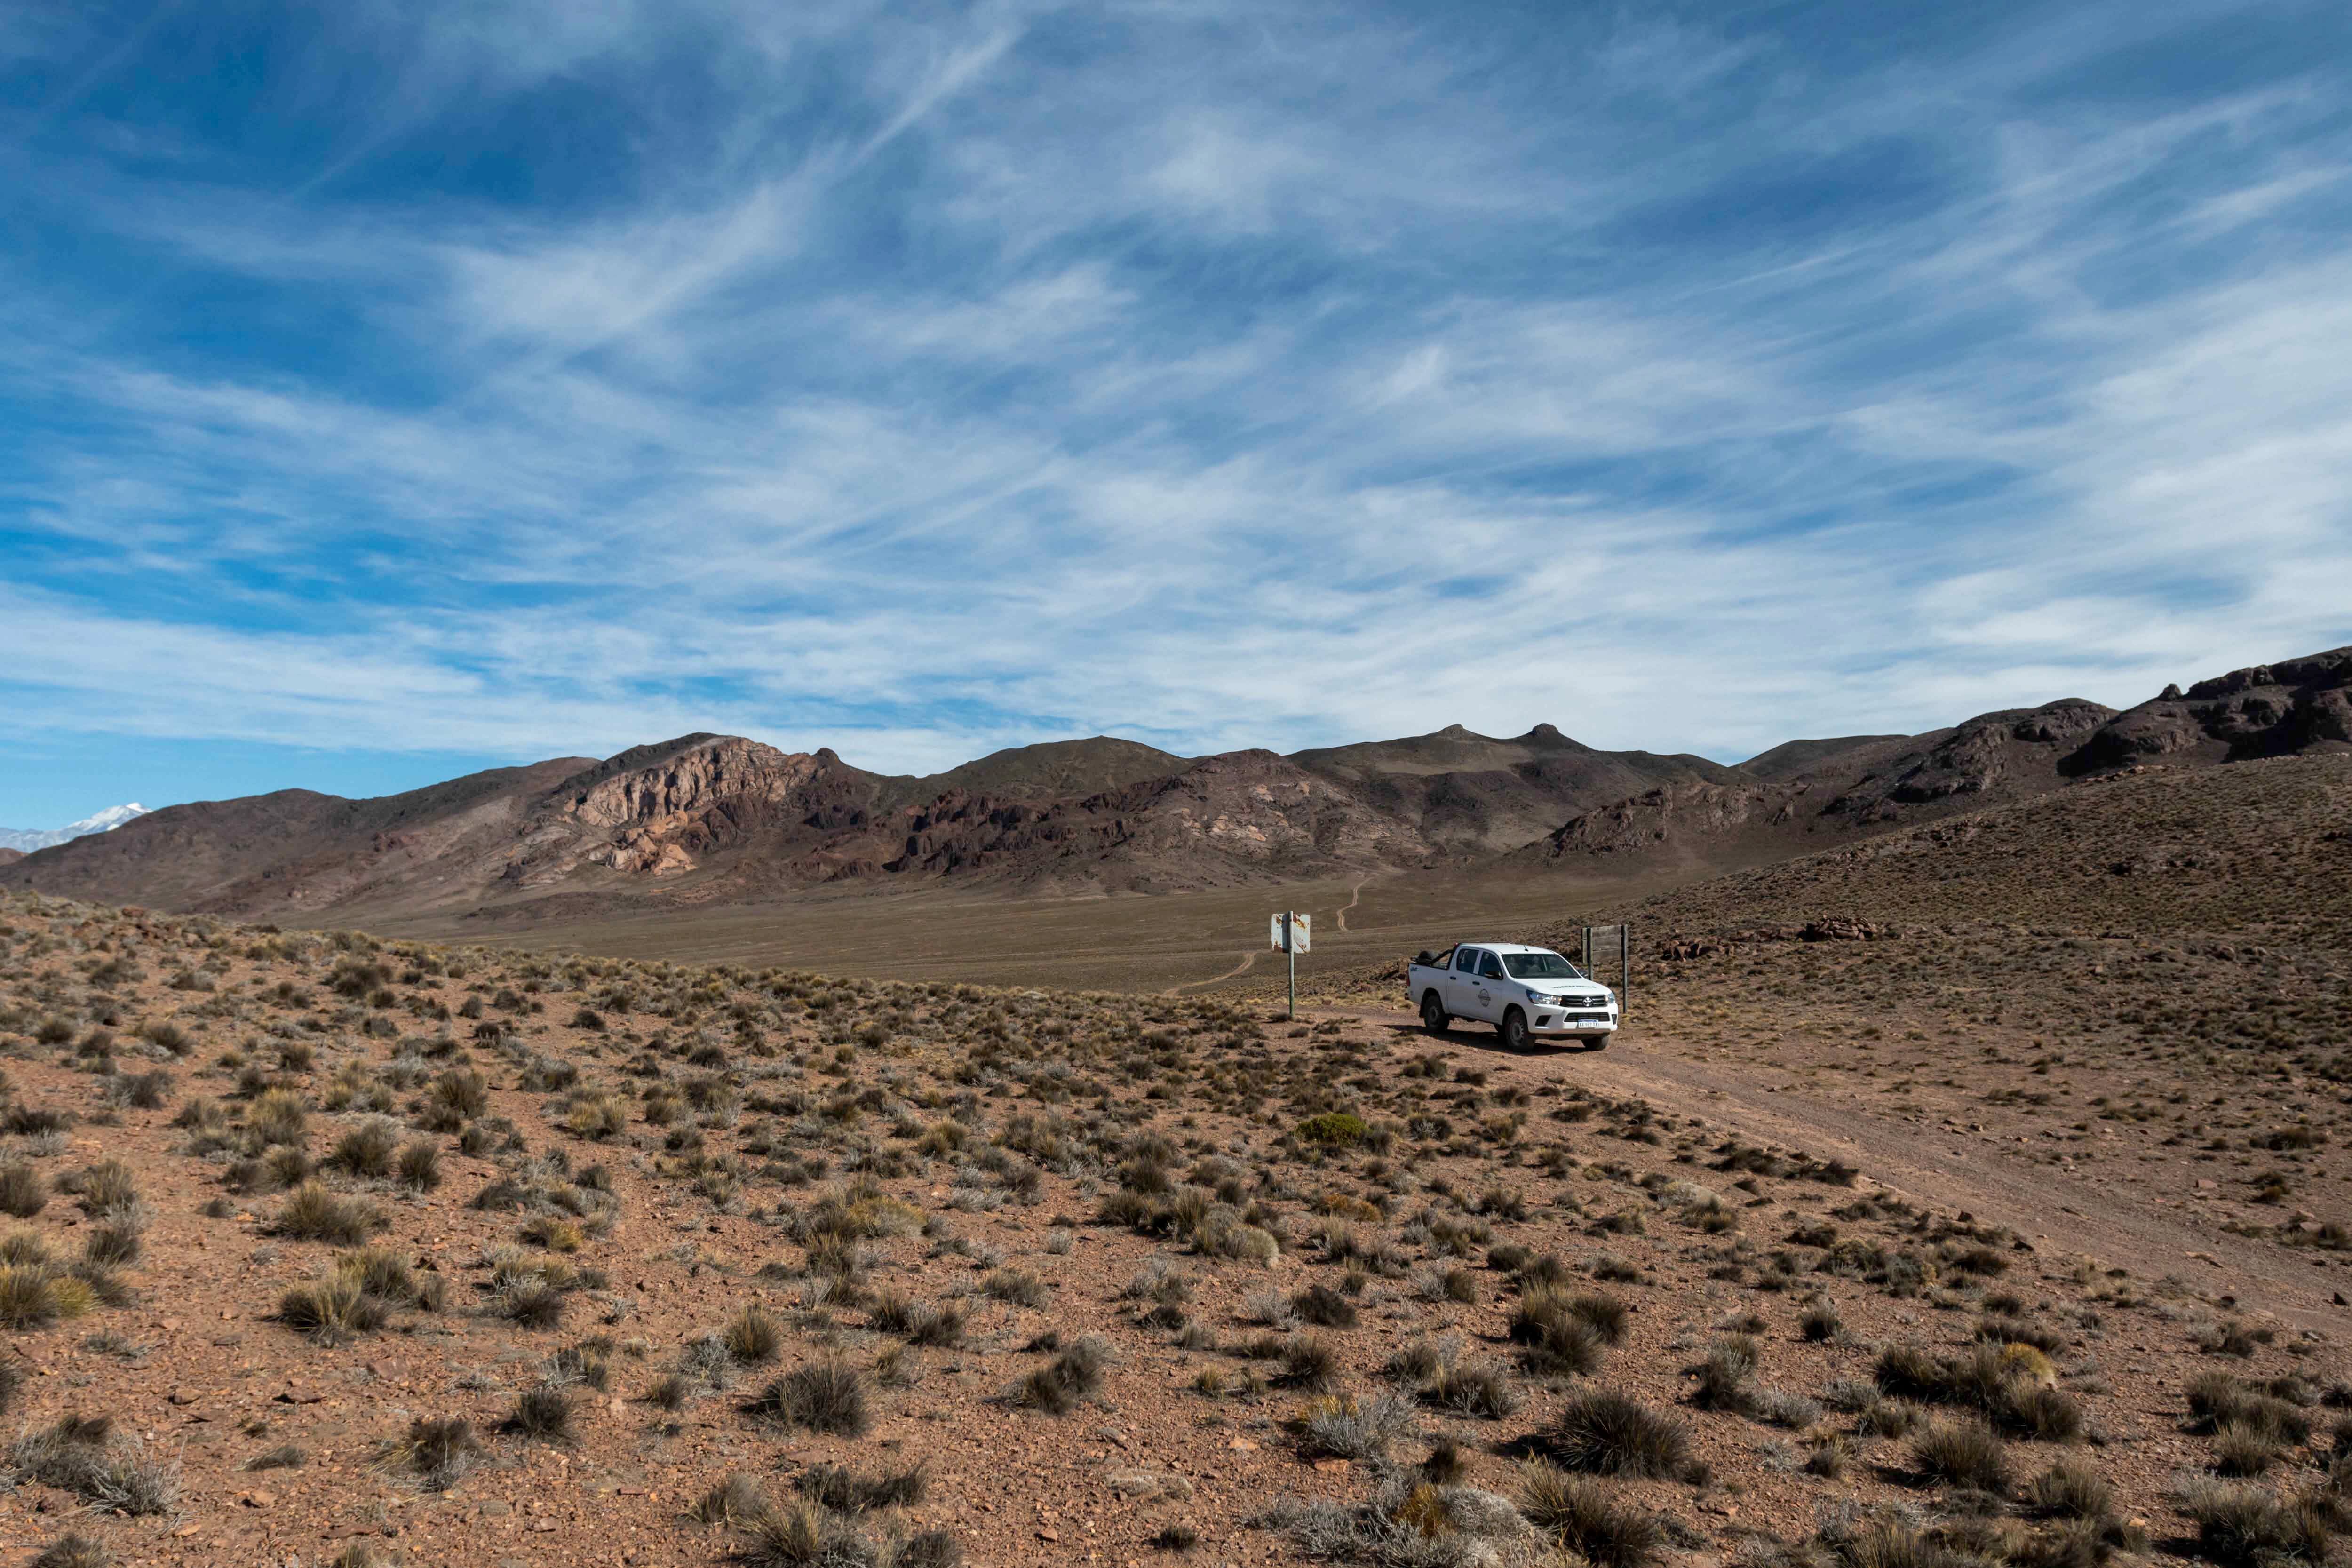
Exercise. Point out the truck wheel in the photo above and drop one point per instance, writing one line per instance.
(1596, 1042)
(1433, 1014)
(1514, 1030)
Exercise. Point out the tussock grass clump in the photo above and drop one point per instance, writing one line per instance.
(74, 1550)
(276, 1116)
(1603, 1432)
(1579, 1513)
(1073, 1375)
(1963, 1452)
(332, 1310)
(922, 1323)
(844, 1491)
(35, 1293)
(1556, 1337)
(435, 1451)
(418, 1165)
(1309, 1361)
(1723, 1375)
(1324, 1306)
(2218, 1400)
(1337, 1425)
(2241, 1526)
(2008, 1390)
(1480, 1391)
(313, 1213)
(1015, 1287)
(285, 1456)
(737, 1500)
(826, 1396)
(544, 1415)
(752, 1336)
(24, 1190)
(106, 1469)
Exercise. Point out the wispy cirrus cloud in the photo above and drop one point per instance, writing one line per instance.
(517, 379)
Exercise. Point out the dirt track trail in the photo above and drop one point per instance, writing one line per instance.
(1248, 959)
(1355, 897)
(2062, 1214)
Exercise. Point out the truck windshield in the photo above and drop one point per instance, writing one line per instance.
(1540, 966)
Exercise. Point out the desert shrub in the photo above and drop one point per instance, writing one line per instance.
(73, 1550)
(1556, 1337)
(104, 1189)
(454, 1098)
(1333, 1128)
(418, 1165)
(2216, 1400)
(434, 1450)
(1339, 1425)
(1963, 1453)
(313, 1213)
(2241, 1526)
(332, 1309)
(532, 1301)
(106, 1469)
(1073, 1375)
(1310, 1362)
(823, 1396)
(802, 1535)
(1480, 1391)
(366, 1149)
(752, 1336)
(2242, 1451)
(1611, 1434)
(1819, 1322)
(35, 1294)
(737, 1500)
(275, 1116)
(1321, 1305)
(543, 1413)
(1579, 1513)
(1014, 1285)
(2072, 1489)
(24, 1192)
(1723, 1375)
(843, 1490)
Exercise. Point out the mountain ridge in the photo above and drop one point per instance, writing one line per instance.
(704, 820)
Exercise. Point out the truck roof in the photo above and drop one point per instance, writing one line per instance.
(1505, 946)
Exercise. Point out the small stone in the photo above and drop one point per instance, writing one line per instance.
(495, 1509)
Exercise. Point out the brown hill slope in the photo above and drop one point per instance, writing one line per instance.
(1053, 770)
(1473, 797)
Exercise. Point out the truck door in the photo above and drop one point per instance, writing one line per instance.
(1490, 987)
(1462, 985)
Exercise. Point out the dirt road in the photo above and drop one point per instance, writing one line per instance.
(2062, 1214)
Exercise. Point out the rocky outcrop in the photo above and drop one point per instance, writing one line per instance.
(1991, 754)
(1672, 815)
(2264, 710)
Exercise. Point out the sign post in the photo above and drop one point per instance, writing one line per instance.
(1290, 936)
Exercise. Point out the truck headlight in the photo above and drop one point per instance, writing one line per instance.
(1537, 996)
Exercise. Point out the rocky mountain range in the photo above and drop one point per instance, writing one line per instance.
(708, 819)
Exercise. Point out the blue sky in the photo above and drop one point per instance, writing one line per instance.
(397, 389)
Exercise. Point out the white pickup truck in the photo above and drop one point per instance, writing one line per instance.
(1527, 993)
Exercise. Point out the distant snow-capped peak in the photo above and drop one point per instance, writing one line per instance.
(31, 838)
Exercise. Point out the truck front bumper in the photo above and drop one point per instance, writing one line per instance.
(1552, 1021)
